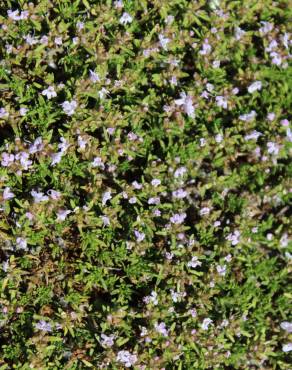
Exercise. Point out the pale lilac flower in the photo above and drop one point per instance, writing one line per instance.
(248, 117)
(126, 18)
(118, 4)
(58, 40)
(284, 122)
(131, 136)
(3, 113)
(180, 172)
(193, 312)
(204, 211)
(103, 93)
(106, 196)
(44, 326)
(186, 101)
(173, 81)
(155, 182)
(23, 157)
(8, 47)
(221, 270)
(206, 48)
(273, 148)
(272, 45)
(157, 213)
(23, 111)
(94, 77)
(152, 298)
(255, 86)
(218, 138)
(111, 130)
(266, 28)
(154, 200)
(133, 200)
(69, 107)
(239, 33)
(284, 240)
(75, 40)
(235, 91)
(169, 19)
(63, 145)
(276, 58)
(205, 324)
(21, 243)
(81, 142)
(97, 162)
(144, 331)
(7, 194)
(202, 142)
(178, 218)
(49, 92)
(228, 258)
(137, 185)
(39, 196)
(62, 214)
(126, 358)
(56, 158)
(287, 347)
(216, 64)
(44, 40)
(179, 193)
(55, 195)
(194, 262)
(30, 40)
(217, 223)
(176, 296)
(139, 236)
(14, 15)
(224, 323)
(105, 220)
(79, 25)
(29, 216)
(107, 340)
(221, 102)
(161, 329)
(163, 41)
(253, 135)
(287, 326)
(271, 116)
(234, 237)
(7, 159)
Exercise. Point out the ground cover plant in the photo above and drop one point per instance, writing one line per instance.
(145, 184)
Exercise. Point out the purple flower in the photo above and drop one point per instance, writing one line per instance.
(126, 358)
(139, 236)
(105, 197)
(126, 18)
(69, 107)
(7, 194)
(44, 326)
(186, 101)
(178, 218)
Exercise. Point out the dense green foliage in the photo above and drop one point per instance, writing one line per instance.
(145, 184)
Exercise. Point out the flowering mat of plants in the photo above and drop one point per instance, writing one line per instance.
(145, 184)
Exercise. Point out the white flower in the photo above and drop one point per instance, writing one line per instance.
(102, 93)
(161, 329)
(21, 243)
(49, 92)
(163, 41)
(58, 40)
(194, 262)
(69, 107)
(178, 218)
(133, 200)
(221, 270)
(3, 113)
(126, 18)
(62, 214)
(248, 116)
(285, 325)
(7, 194)
(180, 172)
(205, 324)
(216, 64)
(39, 196)
(255, 86)
(287, 347)
(106, 196)
(94, 77)
(107, 340)
(186, 101)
